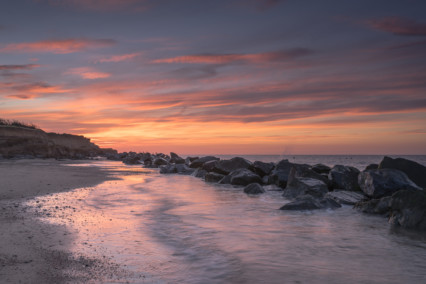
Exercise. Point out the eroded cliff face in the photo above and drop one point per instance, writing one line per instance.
(22, 142)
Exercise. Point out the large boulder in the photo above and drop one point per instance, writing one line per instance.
(346, 197)
(160, 161)
(298, 186)
(226, 166)
(176, 169)
(132, 160)
(199, 173)
(261, 168)
(200, 161)
(343, 177)
(307, 202)
(279, 175)
(174, 158)
(213, 177)
(415, 171)
(254, 188)
(225, 180)
(374, 206)
(321, 169)
(371, 167)
(210, 165)
(408, 209)
(384, 182)
(244, 177)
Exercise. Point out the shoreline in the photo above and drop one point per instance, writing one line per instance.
(35, 252)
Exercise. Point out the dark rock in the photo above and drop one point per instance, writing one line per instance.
(272, 187)
(225, 180)
(167, 169)
(280, 174)
(415, 171)
(200, 162)
(210, 165)
(374, 206)
(160, 162)
(213, 177)
(174, 158)
(254, 188)
(298, 186)
(371, 167)
(408, 209)
(199, 173)
(244, 177)
(307, 202)
(306, 172)
(268, 180)
(261, 168)
(346, 197)
(343, 177)
(183, 169)
(132, 160)
(384, 182)
(226, 166)
(321, 169)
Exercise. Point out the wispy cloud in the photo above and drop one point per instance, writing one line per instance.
(31, 90)
(119, 58)
(267, 57)
(398, 26)
(88, 73)
(59, 46)
(103, 5)
(18, 67)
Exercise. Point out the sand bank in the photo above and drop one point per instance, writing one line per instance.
(32, 251)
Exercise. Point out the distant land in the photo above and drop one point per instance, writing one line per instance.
(21, 140)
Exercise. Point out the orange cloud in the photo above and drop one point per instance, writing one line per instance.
(58, 46)
(275, 56)
(119, 58)
(88, 73)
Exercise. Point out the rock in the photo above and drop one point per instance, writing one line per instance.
(254, 188)
(415, 171)
(374, 206)
(132, 160)
(346, 197)
(384, 182)
(167, 169)
(210, 165)
(371, 167)
(200, 162)
(307, 202)
(160, 162)
(268, 180)
(272, 187)
(213, 177)
(261, 168)
(343, 177)
(298, 186)
(280, 174)
(174, 158)
(226, 166)
(306, 172)
(321, 169)
(183, 169)
(225, 180)
(244, 177)
(199, 173)
(408, 209)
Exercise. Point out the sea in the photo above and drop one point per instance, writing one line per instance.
(179, 229)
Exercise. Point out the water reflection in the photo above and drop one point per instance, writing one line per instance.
(178, 229)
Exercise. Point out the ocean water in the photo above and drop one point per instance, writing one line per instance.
(179, 229)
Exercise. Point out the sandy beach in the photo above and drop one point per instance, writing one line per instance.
(36, 252)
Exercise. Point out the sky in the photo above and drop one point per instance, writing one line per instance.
(220, 77)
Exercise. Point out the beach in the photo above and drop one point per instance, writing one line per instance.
(32, 251)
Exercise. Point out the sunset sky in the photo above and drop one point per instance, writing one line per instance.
(220, 77)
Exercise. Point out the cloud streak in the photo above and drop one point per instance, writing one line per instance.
(267, 57)
(398, 26)
(58, 46)
(18, 67)
(88, 73)
(119, 58)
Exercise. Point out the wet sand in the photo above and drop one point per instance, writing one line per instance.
(36, 252)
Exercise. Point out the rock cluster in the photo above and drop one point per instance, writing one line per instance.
(387, 188)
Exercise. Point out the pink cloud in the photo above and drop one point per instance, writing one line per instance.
(59, 46)
(399, 26)
(266, 57)
(119, 58)
(31, 90)
(88, 73)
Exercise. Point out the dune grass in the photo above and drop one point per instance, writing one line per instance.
(16, 123)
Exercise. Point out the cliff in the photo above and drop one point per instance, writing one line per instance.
(21, 142)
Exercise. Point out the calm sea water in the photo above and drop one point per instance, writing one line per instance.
(179, 229)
